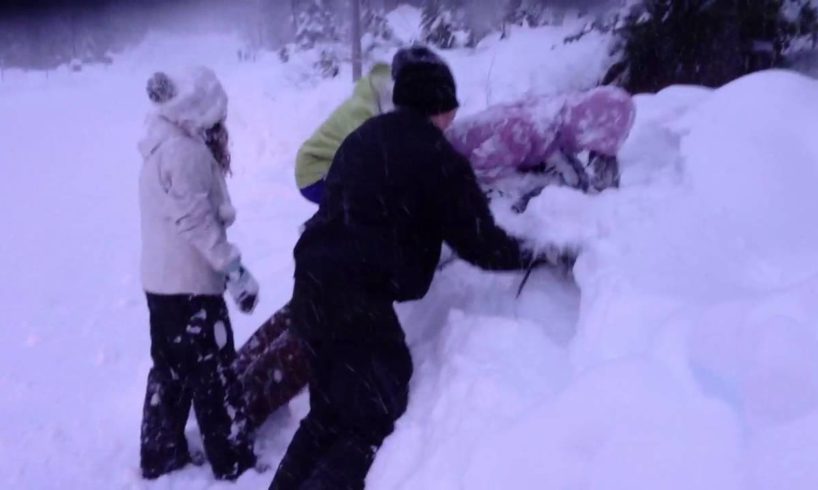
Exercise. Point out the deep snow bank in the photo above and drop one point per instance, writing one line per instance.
(695, 362)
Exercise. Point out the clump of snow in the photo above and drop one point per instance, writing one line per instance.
(405, 23)
(534, 61)
(220, 334)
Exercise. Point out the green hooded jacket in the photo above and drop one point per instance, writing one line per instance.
(372, 96)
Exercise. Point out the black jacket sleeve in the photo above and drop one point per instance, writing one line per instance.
(467, 223)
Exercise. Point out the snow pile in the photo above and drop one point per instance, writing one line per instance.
(695, 360)
(686, 357)
(405, 22)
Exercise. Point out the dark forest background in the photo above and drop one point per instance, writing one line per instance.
(655, 42)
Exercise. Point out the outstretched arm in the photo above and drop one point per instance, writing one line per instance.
(468, 225)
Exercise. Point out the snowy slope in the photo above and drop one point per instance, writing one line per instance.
(686, 357)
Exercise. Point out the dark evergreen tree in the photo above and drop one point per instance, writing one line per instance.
(315, 23)
(374, 21)
(377, 34)
(705, 42)
(6, 47)
(525, 12)
(444, 24)
(316, 26)
(808, 23)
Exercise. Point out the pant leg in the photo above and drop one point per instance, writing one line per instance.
(163, 446)
(217, 395)
(317, 432)
(367, 389)
(267, 334)
(357, 392)
(272, 366)
(358, 388)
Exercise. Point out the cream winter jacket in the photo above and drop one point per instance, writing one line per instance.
(184, 202)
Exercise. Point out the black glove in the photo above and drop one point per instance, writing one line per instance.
(561, 259)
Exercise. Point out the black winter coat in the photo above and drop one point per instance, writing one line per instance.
(395, 192)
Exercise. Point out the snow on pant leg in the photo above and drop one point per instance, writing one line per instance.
(367, 387)
(163, 446)
(217, 395)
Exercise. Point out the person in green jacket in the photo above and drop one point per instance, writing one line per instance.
(272, 365)
(372, 96)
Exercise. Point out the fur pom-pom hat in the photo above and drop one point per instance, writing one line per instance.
(194, 99)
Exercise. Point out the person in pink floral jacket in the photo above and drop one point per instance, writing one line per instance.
(547, 134)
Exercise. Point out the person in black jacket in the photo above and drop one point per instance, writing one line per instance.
(396, 191)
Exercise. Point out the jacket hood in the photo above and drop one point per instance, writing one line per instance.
(157, 130)
(193, 99)
(376, 88)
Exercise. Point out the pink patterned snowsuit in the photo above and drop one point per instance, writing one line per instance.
(507, 138)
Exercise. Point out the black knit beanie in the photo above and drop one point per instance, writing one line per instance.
(423, 82)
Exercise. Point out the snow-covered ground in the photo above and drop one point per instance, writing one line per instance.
(685, 357)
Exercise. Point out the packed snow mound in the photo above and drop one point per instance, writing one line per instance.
(694, 362)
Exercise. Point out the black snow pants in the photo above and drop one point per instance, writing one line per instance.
(359, 387)
(193, 352)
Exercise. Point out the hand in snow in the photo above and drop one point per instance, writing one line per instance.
(562, 259)
(243, 287)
